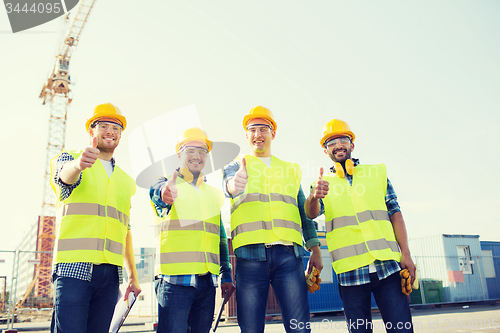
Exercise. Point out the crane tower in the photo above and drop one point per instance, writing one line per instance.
(55, 92)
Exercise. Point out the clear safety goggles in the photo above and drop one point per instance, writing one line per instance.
(107, 126)
(344, 141)
(258, 128)
(202, 152)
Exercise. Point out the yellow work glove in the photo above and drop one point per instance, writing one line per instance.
(313, 280)
(405, 281)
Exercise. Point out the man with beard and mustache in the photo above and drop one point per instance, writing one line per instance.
(268, 225)
(93, 238)
(366, 233)
(192, 245)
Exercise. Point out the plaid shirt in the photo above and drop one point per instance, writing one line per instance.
(162, 209)
(257, 252)
(77, 270)
(361, 275)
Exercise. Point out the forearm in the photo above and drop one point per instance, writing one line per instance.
(398, 224)
(230, 187)
(225, 265)
(70, 172)
(308, 227)
(129, 261)
(312, 207)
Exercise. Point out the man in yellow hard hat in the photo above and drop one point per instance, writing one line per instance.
(366, 233)
(192, 245)
(268, 225)
(93, 238)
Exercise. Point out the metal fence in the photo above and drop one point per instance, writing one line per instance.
(27, 291)
(26, 294)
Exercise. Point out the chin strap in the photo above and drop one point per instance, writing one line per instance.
(188, 176)
(349, 166)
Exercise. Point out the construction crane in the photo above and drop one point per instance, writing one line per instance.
(55, 92)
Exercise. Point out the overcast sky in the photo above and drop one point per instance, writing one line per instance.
(418, 82)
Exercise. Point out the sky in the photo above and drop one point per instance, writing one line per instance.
(417, 82)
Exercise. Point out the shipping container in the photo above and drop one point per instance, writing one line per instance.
(491, 264)
(452, 263)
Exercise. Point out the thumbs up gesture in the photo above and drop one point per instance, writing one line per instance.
(239, 182)
(321, 186)
(169, 191)
(88, 156)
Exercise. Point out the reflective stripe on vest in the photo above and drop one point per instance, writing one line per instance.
(89, 244)
(189, 236)
(358, 226)
(167, 225)
(357, 249)
(83, 208)
(252, 197)
(257, 225)
(267, 211)
(189, 257)
(365, 216)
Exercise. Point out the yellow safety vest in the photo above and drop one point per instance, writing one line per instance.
(92, 223)
(267, 211)
(357, 222)
(189, 236)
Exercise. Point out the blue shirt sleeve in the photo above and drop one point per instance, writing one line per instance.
(227, 174)
(391, 200)
(225, 265)
(308, 227)
(161, 208)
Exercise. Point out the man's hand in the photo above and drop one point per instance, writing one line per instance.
(321, 187)
(169, 191)
(237, 184)
(407, 262)
(315, 260)
(88, 156)
(133, 285)
(229, 286)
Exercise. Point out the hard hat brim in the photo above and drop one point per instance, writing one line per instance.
(249, 117)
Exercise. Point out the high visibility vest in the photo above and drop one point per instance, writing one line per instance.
(356, 219)
(189, 236)
(92, 223)
(267, 211)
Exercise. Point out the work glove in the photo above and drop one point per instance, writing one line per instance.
(313, 280)
(405, 282)
(406, 286)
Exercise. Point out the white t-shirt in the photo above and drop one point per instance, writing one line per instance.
(108, 166)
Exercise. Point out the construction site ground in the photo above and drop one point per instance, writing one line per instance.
(459, 318)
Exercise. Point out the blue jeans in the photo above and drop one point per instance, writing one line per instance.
(285, 272)
(85, 307)
(183, 307)
(392, 303)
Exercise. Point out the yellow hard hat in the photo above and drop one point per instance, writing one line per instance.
(193, 134)
(335, 128)
(106, 110)
(259, 112)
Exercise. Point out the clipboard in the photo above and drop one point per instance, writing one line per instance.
(122, 308)
(219, 314)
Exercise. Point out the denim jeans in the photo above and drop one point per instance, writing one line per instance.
(285, 272)
(392, 303)
(183, 307)
(85, 307)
